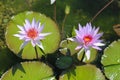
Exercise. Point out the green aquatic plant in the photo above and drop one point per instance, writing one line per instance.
(45, 43)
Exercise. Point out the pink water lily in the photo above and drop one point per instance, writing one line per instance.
(31, 32)
(88, 37)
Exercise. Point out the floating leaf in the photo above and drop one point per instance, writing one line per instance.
(111, 54)
(93, 54)
(50, 43)
(28, 71)
(85, 72)
(111, 61)
(68, 44)
(113, 72)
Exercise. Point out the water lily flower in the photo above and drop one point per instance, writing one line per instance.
(31, 32)
(52, 1)
(88, 37)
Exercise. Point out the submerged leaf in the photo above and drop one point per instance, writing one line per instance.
(64, 62)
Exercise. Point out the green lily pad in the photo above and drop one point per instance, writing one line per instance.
(50, 43)
(113, 72)
(111, 61)
(112, 54)
(85, 72)
(68, 44)
(28, 71)
(93, 54)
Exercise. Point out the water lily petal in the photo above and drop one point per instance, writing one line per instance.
(33, 23)
(33, 43)
(96, 47)
(80, 27)
(27, 23)
(23, 44)
(17, 35)
(98, 44)
(44, 34)
(78, 47)
(21, 28)
(40, 45)
(52, 1)
(78, 54)
(71, 39)
(40, 28)
(87, 53)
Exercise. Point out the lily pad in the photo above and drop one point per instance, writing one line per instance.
(28, 71)
(111, 61)
(85, 72)
(50, 43)
(113, 72)
(93, 54)
(68, 44)
(112, 54)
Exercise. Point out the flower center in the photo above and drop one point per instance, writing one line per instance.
(32, 33)
(87, 39)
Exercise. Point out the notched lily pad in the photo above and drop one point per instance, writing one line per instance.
(111, 54)
(111, 61)
(85, 72)
(50, 43)
(67, 44)
(28, 71)
(112, 72)
(93, 54)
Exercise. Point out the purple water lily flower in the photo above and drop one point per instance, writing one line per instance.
(88, 37)
(31, 32)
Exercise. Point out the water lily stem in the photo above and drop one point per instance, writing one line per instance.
(43, 53)
(82, 57)
(63, 24)
(54, 11)
(36, 52)
(101, 10)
